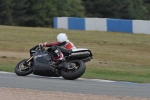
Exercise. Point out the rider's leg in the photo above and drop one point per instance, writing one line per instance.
(65, 51)
(60, 59)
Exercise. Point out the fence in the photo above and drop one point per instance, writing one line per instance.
(103, 24)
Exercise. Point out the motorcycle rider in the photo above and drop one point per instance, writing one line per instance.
(60, 47)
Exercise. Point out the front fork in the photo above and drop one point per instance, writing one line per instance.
(28, 60)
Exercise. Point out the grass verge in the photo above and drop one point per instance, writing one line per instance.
(116, 56)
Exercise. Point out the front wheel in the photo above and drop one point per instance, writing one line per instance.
(76, 72)
(23, 70)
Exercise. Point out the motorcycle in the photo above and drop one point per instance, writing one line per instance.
(41, 63)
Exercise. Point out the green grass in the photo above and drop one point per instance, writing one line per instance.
(116, 56)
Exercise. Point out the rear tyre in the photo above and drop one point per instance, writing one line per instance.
(22, 70)
(78, 71)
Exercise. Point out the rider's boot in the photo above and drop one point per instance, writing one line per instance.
(61, 64)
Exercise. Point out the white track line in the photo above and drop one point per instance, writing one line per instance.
(97, 80)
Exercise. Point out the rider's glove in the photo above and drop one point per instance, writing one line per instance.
(40, 45)
(44, 44)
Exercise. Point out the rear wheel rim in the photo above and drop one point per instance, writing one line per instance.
(74, 69)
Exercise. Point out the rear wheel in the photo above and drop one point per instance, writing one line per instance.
(22, 69)
(76, 72)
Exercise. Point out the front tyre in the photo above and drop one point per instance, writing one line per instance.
(23, 70)
(78, 71)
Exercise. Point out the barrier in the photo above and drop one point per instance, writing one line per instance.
(118, 25)
(141, 26)
(61, 22)
(76, 23)
(98, 24)
(103, 24)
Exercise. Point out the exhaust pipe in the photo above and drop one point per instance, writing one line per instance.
(80, 54)
(86, 59)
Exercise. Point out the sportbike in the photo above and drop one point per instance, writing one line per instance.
(41, 62)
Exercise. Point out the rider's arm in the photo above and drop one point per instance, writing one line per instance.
(50, 44)
(54, 43)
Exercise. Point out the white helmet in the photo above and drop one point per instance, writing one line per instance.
(61, 37)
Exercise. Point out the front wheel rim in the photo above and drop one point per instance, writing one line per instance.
(22, 67)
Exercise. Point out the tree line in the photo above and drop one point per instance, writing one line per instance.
(41, 12)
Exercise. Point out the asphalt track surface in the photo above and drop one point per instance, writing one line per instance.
(82, 86)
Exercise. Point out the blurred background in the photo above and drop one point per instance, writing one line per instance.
(40, 13)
